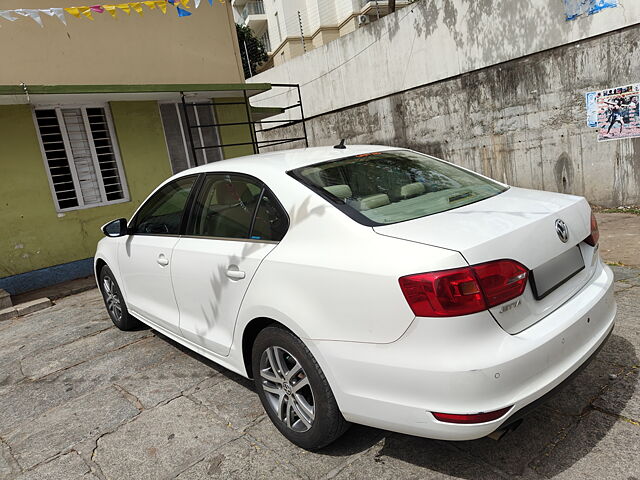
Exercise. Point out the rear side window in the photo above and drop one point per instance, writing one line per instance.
(395, 186)
(236, 206)
(162, 213)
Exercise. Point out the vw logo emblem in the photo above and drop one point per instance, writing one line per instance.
(562, 230)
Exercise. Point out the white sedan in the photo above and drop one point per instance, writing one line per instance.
(366, 284)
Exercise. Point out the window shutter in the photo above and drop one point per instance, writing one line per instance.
(101, 134)
(81, 153)
(81, 158)
(53, 145)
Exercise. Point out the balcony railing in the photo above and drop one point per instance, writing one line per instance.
(266, 41)
(252, 8)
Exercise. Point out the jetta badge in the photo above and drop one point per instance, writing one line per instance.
(562, 230)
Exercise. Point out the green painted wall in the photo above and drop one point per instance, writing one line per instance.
(233, 133)
(32, 234)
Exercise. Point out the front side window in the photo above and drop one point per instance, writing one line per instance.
(81, 156)
(162, 213)
(393, 186)
(236, 206)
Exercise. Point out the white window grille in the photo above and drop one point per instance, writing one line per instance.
(81, 156)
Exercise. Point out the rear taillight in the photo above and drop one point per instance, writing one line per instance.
(470, 418)
(593, 238)
(462, 291)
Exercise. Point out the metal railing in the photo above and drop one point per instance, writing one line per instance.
(266, 41)
(252, 8)
(255, 142)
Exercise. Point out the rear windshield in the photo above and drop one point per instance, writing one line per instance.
(394, 186)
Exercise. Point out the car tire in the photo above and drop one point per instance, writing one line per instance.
(114, 302)
(293, 390)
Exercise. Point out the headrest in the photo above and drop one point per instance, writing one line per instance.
(231, 192)
(410, 190)
(340, 191)
(372, 201)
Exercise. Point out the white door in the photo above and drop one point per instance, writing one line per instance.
(233, 227)
(145, 258)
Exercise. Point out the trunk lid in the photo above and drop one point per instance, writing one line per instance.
(518, 224)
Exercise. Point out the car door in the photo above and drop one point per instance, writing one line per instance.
(234, 223)
(146, 255)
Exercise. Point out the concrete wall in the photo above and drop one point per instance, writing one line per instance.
(429, 41)
(34, 235)
(522, 121)
(153, 49)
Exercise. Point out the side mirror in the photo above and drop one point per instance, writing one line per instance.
(115, 228)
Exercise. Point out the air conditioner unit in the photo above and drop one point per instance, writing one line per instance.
(363, 19)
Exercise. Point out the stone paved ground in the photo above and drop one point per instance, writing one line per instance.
(80, 399)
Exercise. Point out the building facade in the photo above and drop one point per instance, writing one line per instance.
(289, 28)
(95, 114)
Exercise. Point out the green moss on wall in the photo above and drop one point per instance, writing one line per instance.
(32, 234)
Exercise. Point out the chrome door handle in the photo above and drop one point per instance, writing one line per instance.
(162, 260)
(235, 274)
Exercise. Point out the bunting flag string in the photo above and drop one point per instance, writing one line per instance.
(182, 9)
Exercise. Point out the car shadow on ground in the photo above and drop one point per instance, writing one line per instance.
(560, 421)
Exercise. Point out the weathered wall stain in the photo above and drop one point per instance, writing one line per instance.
(563, 172)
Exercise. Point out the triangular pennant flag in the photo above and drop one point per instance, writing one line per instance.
(182, 12)
(86, 11)
(211, 2)
(172, 2)
(184, 2)
(124, 7)
(55, 12)
(8, 15)
(97, 9)
(111, 9)
(137, 7)
(75, 11)
(150, 4)
(162, 5)
(197, 3)
(33, 14)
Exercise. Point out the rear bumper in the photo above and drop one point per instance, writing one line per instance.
(466, 365)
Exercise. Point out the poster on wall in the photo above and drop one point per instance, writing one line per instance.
(617, 111)
(576, 8)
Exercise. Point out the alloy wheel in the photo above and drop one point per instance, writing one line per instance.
(112, 298)
(287, 388)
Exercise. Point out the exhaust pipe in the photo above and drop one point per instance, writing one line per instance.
(499, 434)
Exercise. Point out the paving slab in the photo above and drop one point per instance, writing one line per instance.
(61, 387)
(59, 429)
(234, 400)
(401, 456)
(33, 306)
(8, 313)
(162, 442)
(240, 460)
(5, 299)
(623, 396)
(168, 379)
(65, 467)
(619, 237)
(78, 351)
(513, 453)
(354, 442)
(600, 447)
(575, 397)
(6, 468)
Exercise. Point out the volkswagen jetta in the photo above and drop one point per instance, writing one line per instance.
(366, 284)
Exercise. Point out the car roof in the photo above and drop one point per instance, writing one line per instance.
(285, 160)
